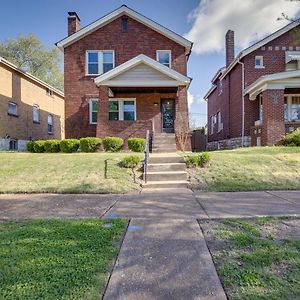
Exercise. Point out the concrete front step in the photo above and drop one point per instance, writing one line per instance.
(166, 167)
(157, 158)
(170, 184)
(166, 176)
(164, 150)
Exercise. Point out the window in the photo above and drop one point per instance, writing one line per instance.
(220, 87)
(12, 109)
(122, 109)
(49, 92)
(260, 108)
(212, 124)
(13, 144)
(164, 57)
(99, 62)
(36, 114)
(259, 62)
(50, 124)
(220, 124)
(292, 108)
(124, 24)
(93, 107)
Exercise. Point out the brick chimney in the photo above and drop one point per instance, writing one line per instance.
(73, 22)
(229, 47)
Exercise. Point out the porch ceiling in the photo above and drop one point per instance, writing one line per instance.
(144, 90)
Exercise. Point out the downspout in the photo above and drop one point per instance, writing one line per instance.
(243, 101)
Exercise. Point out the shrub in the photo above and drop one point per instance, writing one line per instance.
(90, 144)
(52, 146)
(204, 159)
(292, 139)
(131, 161)
(191, 161)
(39, 146)
(113, 144)
(69, 145)
(136, 144)
(30, 147)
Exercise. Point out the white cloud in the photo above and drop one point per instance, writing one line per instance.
(250, 19)
(191, 98)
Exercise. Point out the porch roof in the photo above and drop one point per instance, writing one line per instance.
(289, 79)
(142, 71)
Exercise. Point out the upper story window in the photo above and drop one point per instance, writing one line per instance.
(259, 62)
(292, 60)
(12, 109)
(36, 113)
(99, 62)
(50, 124)
(124, 24)
(164, 57)
(220, 86)
(122, 109)
(49, 92)
(93, 110)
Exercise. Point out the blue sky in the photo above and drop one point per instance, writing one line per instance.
(205, 23)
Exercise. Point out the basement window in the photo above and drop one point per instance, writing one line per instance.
(124, 24)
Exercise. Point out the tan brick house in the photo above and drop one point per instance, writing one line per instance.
(30, 109)
(255, 99)
(124, 74)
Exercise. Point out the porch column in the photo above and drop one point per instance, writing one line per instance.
(182, 119)
(273, 117)
(102, 116)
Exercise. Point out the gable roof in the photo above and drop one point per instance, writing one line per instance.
(28, 75)
(123, 10)
(261, 43)
(175, 78)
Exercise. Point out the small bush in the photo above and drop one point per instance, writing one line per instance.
(131, 161)
(136, 144)
(30, 147)
(204, 159)
(52, 146)
(191, 161)
(39, 146)
(292, 139)
(90, 144)
(113, 144)
(69, 145)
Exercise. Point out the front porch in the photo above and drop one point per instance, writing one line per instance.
(278, 100)
(142, 95)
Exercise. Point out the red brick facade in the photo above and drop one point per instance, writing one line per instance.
(79, 88)
(229, 98)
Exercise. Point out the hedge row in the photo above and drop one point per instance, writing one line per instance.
(88, 144)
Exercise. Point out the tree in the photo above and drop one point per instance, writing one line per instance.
(28, 53)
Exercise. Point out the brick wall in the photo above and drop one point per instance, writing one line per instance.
(139, 39)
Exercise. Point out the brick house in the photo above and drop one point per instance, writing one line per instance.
(124, 74)
(29, 108)
(255, 99)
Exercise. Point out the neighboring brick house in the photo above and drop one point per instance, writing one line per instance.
(255, 99)
(124, 74)
(30, 109)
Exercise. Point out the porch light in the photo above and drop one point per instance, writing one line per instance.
(155, 103)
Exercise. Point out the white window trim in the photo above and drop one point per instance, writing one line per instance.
(211, 124)
(261, 58)
(50, 132)
(91, 110)
(100, 61)
(289, 107)
(39, 117)
(15, 105)
(170, 56)
(121, 107)
(219, 121)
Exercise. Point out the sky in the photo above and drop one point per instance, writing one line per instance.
(204, 22)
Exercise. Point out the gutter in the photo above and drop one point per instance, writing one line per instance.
(243, 100)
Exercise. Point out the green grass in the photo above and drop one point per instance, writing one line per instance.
(256, 259)
(250, 169)
(57, 259)
(63, 173)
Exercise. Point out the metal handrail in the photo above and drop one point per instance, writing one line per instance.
(146, 153)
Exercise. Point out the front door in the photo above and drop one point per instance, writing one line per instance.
(167, 115)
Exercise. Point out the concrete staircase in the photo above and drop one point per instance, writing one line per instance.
(166, 168)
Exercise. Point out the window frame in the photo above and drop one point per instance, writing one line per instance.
(212, 124)
(52, 126)
(121, 109)
(91, 100)
(100, 61)
(219, 121)
(289, 98)
(15, 105)
(170, 57)
(39, 117)
(261, 59)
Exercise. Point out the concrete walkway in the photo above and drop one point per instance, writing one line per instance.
(164, 254)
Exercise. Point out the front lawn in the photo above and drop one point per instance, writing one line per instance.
(256, 259)
(250, 169)
(63, 173)
(57, 259)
